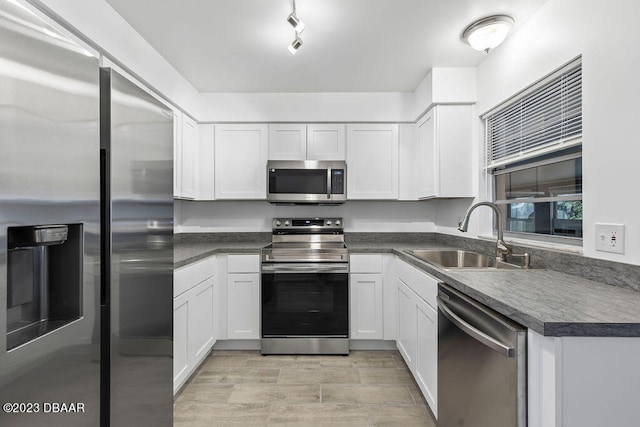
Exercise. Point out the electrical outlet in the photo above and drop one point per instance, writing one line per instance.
(610, 238)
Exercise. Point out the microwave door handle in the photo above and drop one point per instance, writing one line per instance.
(328, 183)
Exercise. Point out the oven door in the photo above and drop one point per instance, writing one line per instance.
(305, 300)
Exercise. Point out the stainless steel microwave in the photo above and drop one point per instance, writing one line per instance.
(306, 181)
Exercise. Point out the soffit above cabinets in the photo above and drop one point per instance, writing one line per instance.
(349, 46)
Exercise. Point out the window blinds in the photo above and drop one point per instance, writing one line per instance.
(545, 118)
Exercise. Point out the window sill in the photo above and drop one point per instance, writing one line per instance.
(535, 244)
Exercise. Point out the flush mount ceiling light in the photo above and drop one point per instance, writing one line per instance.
(487, 33)
(298, 26)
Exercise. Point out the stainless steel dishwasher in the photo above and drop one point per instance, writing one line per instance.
(481, 364)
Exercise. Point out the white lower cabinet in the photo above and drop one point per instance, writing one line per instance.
(201, 319)
(426, 366)
(180, 341)
(407, 334)
(366, 306)
(193, 318)
(366, 297)
(243, 297)
(417, 335)
(582, 381)
(243, 309)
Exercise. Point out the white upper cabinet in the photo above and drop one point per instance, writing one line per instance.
(306, 142)
(427, 156)
(241, 152)
(177, 154)
(287, 142)
(444, 152)
(325, 142)
(372, 161)
(205, 162)
(185, 159)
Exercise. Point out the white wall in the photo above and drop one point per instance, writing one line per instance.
(255, 216)
(306, 107)
(99, 22)
(606, 34)
(441, 85)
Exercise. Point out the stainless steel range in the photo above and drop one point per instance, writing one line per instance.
(305, 288)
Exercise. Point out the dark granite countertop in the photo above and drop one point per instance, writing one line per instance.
(186, 253)
(549, 302)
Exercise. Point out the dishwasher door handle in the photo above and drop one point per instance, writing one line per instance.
(474, 332)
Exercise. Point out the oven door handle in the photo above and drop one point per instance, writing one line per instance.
(305, 267)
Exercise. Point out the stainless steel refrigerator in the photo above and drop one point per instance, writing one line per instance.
(86, 231)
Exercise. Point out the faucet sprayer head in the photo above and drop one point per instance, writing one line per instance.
(464, 224)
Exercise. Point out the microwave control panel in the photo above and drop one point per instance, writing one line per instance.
(337, 181)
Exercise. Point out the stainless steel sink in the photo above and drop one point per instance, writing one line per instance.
(449, 259)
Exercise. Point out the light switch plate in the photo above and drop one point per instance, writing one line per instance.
(610, 238)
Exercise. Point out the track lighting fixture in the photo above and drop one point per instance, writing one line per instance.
(295, 45)
(298, 26)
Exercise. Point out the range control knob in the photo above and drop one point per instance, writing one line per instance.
(286, 223)
(337, 223)
(328, 223)
(278, 223)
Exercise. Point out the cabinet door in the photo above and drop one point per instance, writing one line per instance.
(205, 178)
(445, 147)
(287, 142)
(201, 337)
(180, 340)
(366, 306)
(243, 306)
(407, 333)
(325, 142)
(454, 133)
(427, 164)
(241, 161)
(426, 367)
(372, 161)
(189, 158)
(177, 154)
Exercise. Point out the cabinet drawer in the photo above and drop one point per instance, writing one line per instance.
(190, 275)
(243, 263)
(360, 263)
(182, 280)
(202, 270)
(419, 282)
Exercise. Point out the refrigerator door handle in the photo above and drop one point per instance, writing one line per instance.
(474, 332)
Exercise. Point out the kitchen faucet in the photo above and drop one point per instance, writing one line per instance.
(502, 250)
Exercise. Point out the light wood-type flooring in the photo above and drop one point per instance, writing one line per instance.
(244, 388)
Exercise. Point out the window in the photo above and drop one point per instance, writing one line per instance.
(534, 155)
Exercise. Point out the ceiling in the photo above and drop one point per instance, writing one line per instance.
(349, 45)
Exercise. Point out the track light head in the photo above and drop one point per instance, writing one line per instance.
(295, 45)
(296, 23)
